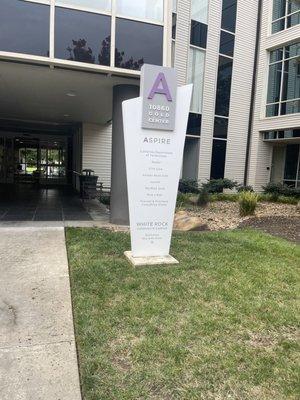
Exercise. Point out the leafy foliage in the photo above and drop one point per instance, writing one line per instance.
(248, 203)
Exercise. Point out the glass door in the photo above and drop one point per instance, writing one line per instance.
(292, 165)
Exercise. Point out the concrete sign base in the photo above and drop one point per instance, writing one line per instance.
(143, 261)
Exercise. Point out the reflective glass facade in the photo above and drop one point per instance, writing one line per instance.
(83, 29)
(286, 14)
(283, 95)
(24, 27)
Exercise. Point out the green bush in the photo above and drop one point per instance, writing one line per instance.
(243, 188)
(224, 197)
(218, 185)
(105, 199)
(203, 198)
(183, 200)
(248, 203)
(188, 186)
(279, 189)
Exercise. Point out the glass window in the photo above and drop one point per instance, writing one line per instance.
(274, 83)
(138, 43)
(224, 86)
(291, 80)
(199, 11)
(24, 27)
(82, 36)
(229, 15)
(142, 9)
(198, 34)
(291, 161)
(97, 5)
(194, 124)
(279, 7)
(284, 81)
(174, 21)
(286, 13)
(221, 127)
(218, 159)
(272, 110)
(227, 43)
(195, 76)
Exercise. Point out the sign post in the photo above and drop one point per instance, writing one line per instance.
(154, 132)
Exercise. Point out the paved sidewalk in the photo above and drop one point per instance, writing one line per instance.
(37, 346)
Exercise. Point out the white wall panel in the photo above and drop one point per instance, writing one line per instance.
(96, 150)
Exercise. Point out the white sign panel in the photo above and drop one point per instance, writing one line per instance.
(153, 164)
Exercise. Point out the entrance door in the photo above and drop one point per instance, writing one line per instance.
(292, 165)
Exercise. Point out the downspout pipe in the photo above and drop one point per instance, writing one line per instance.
(253, 91)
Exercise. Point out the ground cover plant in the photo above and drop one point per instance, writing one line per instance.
(223, 324)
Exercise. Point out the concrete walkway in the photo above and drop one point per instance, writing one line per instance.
(37, 346)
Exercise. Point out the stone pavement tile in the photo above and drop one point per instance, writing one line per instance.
(19, 258)
(45, 372)
(35, 311)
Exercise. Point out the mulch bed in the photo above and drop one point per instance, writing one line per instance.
(285, 227)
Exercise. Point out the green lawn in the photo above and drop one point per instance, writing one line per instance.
(223, 324)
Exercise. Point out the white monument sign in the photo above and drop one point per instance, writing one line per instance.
(154, 132)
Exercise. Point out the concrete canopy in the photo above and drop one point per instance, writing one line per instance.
(52, 94)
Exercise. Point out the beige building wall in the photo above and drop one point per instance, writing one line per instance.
(260, 162)
(96, 150)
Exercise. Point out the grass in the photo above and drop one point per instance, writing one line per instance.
(223, 324)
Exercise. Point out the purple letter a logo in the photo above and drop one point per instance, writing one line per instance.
(161, 79)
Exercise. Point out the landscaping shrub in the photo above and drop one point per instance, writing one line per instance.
(248, 203)
(203, 198)
(218, 185)
(243, 188)
(183, 200)
(279, 189)
(105, 199)
(188, 186)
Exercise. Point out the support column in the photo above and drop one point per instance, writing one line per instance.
(119, 213)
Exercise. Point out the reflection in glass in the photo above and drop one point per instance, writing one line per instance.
(220, 127)
(137, 43)
(227, 43)
(82, 36)
(194, 124)
(24, 27)
(218, 159)
(198, 34)
(199, 10)
(224, 86)
(195, 76)
(274, 83)
(229, 15)
(291, 163)
(97, 5)
(152, 10)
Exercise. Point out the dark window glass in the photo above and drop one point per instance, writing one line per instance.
(278, 9)
(292, 51)
(274, 83)
(293, 20)
(293, 5)
(24, 27)
(280, 134)
(218, 159)
(278, 26)
(223, 86)
(290, 107)
(220, 127)
(296, 133)
(276, 55)
(174, 21)
(227, 43)
(82, 36)
(291, 161)
(198, 34)
(229, 15)
(272, 110)
(291, 80)
(138, 43)
(194, 124)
